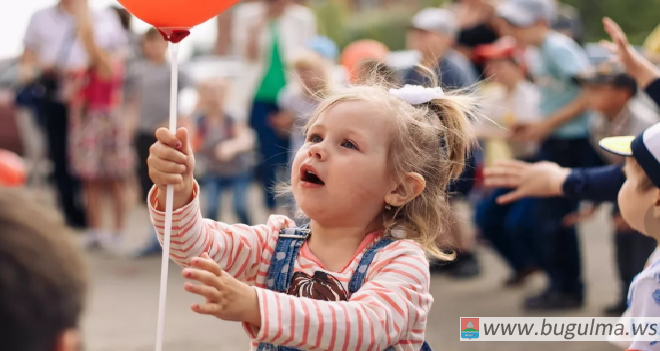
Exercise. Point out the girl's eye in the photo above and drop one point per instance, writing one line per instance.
(314, 138)
(349, 144)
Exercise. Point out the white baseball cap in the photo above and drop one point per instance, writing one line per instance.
(435, 20)
(645, 148)
(526, 13)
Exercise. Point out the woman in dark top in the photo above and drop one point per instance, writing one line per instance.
(475, 19)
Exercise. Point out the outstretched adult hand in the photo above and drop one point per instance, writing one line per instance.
(636, 64)
(541, 179)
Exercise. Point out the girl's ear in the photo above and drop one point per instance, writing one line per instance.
(412, 185)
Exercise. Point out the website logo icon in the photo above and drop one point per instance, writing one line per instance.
(469, 328)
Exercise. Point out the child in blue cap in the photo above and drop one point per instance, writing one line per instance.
(639, 201)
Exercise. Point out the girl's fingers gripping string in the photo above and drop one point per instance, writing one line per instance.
(168, 138)
(168, 166)
(166, 152)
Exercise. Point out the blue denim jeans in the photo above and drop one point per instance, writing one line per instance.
(559, 249)
(273, 149)
(509, 228)
(239, 185)
(281, 268)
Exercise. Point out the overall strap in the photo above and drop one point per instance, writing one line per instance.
(284, 258)
(361, 272)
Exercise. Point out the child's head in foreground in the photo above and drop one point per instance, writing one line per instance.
(42, 278)
(640, 195)
(374, 161)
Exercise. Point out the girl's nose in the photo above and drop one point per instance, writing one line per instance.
(318, 151)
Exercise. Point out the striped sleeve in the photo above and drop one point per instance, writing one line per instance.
(236, 248)
(390, 309)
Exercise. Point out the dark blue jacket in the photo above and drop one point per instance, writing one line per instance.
(602, 184)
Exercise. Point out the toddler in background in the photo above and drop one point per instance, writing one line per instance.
(297, 102)
(224, 145)
(509, 98)
(147, 98)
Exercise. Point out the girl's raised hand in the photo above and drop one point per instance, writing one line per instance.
(226, 297)
(171, 162)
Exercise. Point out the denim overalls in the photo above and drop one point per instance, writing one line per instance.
(283, 262)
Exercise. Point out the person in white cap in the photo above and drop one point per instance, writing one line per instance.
(432, 33)
(563, 133)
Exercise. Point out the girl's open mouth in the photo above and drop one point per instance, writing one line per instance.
(309, 175)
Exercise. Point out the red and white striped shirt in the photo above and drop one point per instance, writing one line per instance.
(390, 309)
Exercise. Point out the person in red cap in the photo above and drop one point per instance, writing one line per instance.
(511, 98)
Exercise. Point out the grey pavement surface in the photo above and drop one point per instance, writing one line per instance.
(123, 306)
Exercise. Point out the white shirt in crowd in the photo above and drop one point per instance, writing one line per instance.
(51, 35)
(297, 26)
(503, 108)
(643, 301)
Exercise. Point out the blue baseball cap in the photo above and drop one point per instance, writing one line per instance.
(645, 148)
(324, 46)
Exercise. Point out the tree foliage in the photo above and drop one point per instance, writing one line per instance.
(388, 24)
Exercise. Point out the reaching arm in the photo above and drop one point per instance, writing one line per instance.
(236, 248)
(391, 308)
(546, 179)
(598, 184)
(567, 113)
(100, 59)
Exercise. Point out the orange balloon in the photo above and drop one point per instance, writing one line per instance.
(12, 169)
(359, 51)
(175, 17)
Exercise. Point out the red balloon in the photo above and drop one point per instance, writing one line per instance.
(12, 169)
(360, 51)
(174, 18)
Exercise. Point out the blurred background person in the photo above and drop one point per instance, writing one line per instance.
(432, 33)
(509, 98)
(268, 33)
(224, 146)
(53, 50)
(298, 100)
(148, 92)
(569, 22)
(100, 149)
(563, 133)
(475, 20)
(611, 94)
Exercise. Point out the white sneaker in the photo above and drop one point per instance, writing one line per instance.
(112, 242)
(91, 239)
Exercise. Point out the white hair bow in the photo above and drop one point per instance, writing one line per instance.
(417, 94)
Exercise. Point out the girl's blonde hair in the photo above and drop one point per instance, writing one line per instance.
(431, 139)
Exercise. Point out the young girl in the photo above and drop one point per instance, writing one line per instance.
(224, 145)
(372, 179)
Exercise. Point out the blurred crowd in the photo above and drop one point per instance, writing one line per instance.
(99, 91)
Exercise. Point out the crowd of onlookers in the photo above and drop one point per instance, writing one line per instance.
(543, 95)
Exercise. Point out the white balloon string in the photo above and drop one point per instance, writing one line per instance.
(164, 265)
